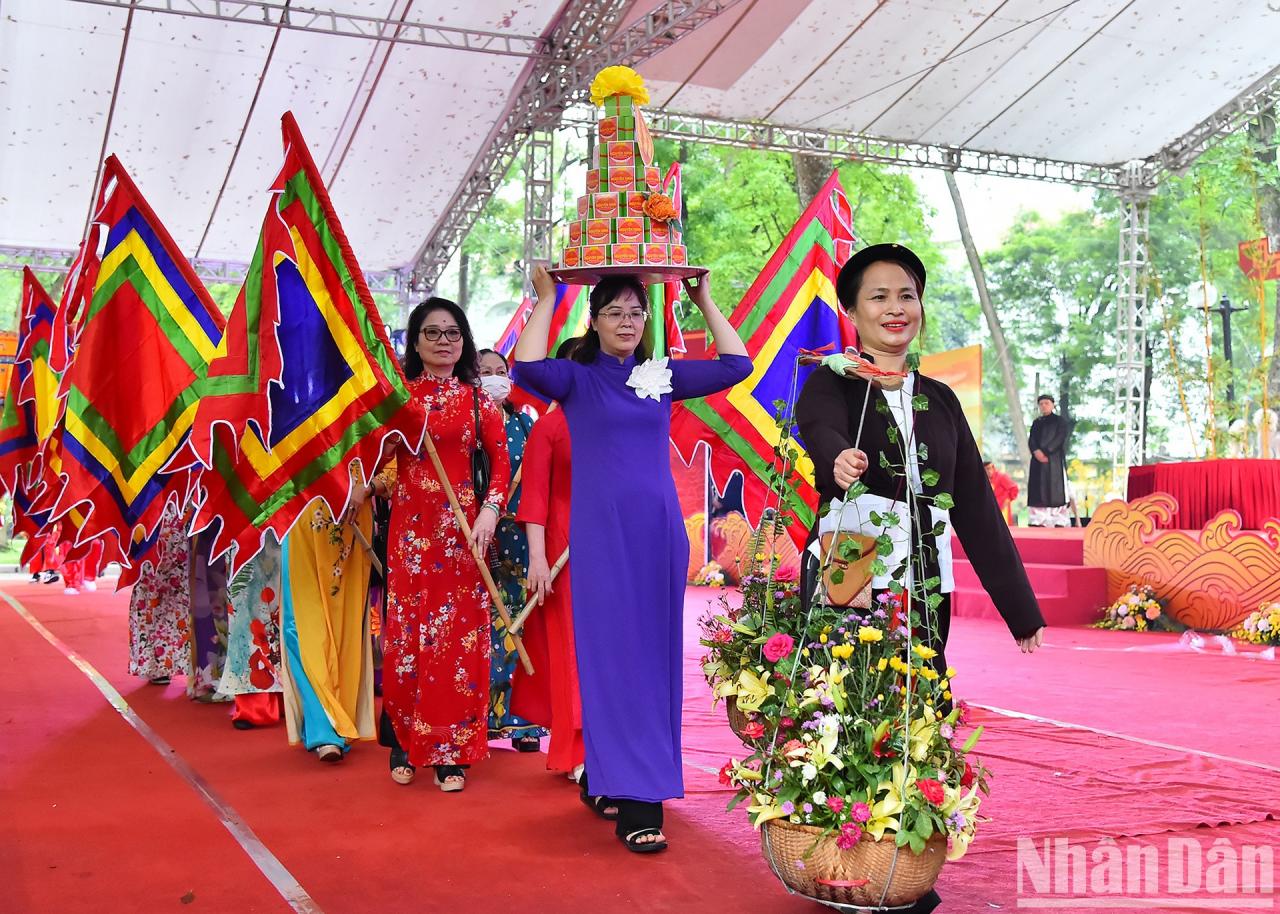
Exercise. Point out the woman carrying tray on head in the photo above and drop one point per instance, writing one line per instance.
(627, 542)
(913, 421)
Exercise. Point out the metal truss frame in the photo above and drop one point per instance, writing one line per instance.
(539, 199)
(349, 25)
(865, 148)
(1178, 155)
(54, 260)
(1131, 319)
(578, 51)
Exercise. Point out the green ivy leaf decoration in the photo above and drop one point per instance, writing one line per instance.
(892, 432)
(913, 361)
(878, 568)
(884, 461)
(930, 477)
(922, 452)
(883, 408)
(944, 501)
(858, 489)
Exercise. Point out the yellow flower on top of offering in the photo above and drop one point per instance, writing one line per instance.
(618, 81)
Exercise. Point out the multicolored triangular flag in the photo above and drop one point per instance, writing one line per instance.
(142, 349)
(306, 382)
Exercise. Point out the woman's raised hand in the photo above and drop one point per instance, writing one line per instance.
(699, 292)
(543, 284)
(850, 464)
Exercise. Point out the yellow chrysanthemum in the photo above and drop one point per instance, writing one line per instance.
(881, 664)
(842, 651)
(898, 665)
(927, 673)
(618, 81)
(925, 653)
(866, 634)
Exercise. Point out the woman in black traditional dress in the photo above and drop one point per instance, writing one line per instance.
(904, 419)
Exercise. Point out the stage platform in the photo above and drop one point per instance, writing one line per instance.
(1069, 592)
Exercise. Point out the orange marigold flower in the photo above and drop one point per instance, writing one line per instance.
(659, 208)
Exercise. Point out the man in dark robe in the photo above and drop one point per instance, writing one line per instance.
(1047, 480)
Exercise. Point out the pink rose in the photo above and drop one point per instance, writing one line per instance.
(753, 730)
(778, 647)
(787, 573)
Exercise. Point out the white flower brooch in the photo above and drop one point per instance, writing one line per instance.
(651, 379)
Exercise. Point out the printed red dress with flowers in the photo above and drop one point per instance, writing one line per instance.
(435, 668)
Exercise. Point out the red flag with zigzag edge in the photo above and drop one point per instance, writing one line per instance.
(307, 382)
(19, 426)
(137, 355)
(790, 306)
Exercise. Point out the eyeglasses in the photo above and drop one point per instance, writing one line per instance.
(452, 334)
(615, 315)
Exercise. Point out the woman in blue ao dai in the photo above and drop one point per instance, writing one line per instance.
(627, 542)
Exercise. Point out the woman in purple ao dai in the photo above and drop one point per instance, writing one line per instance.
(628, 547)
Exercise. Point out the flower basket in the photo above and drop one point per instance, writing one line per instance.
(871, 873)
(738, 720)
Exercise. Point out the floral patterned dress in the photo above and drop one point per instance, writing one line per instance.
(253, 626)
(511, 550)
(160, 606)
(435, 675)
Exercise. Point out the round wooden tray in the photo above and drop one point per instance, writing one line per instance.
(649, 275)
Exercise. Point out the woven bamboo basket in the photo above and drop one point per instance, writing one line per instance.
(867, 874)
(737, 719)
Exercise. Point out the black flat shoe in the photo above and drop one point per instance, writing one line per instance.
(526, 744)
(242, 724)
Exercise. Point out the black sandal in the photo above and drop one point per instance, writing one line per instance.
(632, 841)
(598, 805)
(636, 820)
(526, 743)
(399, 764)
(446, 773)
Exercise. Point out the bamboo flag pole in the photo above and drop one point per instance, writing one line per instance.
(475, 553)
(533, 601)
(515, 483)
(368, 548)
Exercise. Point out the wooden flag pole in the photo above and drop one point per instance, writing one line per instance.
(533, 601)
(475, 553)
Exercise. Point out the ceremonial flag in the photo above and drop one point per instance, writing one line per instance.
(791, 306)
(306, 382)
(142, 349)
(507, 341)
(20, 432)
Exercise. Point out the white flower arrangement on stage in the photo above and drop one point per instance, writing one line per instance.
(651, 379)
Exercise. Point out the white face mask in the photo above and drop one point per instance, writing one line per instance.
(496, 386)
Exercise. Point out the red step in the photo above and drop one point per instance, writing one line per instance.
(1056, 546)
(1068, 594)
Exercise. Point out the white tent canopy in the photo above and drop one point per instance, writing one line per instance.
(396, 127)
(393, 134)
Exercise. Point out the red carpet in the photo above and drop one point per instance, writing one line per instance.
(96, 821)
